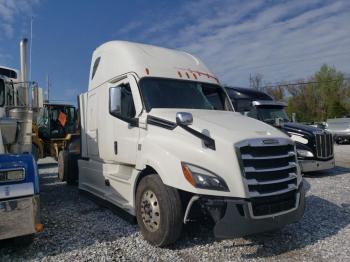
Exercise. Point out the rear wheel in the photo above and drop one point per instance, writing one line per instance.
(158, 211)
(62, 165)
(72, 168)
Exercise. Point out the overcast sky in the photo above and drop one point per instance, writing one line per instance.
(282, 40)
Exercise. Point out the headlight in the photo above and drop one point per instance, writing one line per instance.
(299, 138)
(202, 178)
(11, 175)
(304, 153)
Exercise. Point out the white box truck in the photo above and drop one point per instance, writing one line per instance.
(160, 139)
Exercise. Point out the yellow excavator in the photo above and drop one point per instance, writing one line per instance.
(56, 134)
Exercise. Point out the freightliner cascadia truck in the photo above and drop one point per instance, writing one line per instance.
(314, 145)
(19, 182)
(160, 139)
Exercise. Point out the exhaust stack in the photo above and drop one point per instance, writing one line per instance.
(22, 112)
(24, 87)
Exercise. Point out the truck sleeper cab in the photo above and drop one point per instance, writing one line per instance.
(314, 145)
(160, 139)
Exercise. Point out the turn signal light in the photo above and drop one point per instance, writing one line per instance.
(187, 174)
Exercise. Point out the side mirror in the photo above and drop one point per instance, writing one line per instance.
(294, 117)
(38, 100)
(115, 98)
(184, 118)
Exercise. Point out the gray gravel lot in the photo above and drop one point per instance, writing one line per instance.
(78, 229)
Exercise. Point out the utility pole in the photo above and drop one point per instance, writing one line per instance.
(48, 87)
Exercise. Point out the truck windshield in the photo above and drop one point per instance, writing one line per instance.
(2, 92)
(269, 114)
(171, 93)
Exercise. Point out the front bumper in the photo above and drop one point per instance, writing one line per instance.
(19, 216)
(315, 165)
(238, 222)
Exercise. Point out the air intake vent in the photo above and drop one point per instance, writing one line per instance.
(324, 145)
(270, 171)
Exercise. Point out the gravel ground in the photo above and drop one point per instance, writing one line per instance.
(78, 229)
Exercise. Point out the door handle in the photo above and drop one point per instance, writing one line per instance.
(115, 147)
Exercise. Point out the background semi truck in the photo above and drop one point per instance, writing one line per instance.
(19, 182)
(314, 145)
(160, 139)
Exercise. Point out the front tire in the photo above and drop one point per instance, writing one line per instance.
(62, 165)
(158, 211)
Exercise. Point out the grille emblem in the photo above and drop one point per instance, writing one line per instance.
(270, 141)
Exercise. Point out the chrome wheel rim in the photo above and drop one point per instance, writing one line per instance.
(150, 211)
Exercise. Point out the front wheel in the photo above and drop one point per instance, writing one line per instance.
(158, 211)
(62, 165)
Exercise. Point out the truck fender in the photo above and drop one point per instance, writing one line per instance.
(168, 169)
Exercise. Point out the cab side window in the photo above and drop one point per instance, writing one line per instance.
(122, 102)
(127, 102)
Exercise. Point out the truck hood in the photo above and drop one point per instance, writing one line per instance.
(225, 125)
(300, 128)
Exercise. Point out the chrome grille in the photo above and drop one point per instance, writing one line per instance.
(269, 170)
(324, 145)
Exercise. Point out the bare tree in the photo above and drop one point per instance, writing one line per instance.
(277, 92)
(256, 82)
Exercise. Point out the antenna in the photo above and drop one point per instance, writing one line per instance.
(30, 50)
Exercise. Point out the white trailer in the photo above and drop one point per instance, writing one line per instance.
(160, 139)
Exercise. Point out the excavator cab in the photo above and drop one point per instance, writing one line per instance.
(56, 121)
(54, 129)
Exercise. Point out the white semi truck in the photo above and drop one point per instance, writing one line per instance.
(160, 139)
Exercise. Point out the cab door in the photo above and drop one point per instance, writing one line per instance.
(126, 132)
